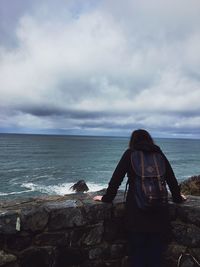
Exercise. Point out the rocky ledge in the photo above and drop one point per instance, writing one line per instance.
(75, 231)
(191, 186)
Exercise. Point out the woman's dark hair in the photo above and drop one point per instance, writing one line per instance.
(140, 136)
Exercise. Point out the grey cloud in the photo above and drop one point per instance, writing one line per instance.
(110, 125)
(100, 65)
(10, 13)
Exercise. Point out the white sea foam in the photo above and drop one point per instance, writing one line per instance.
(14, 193)
(60, 189)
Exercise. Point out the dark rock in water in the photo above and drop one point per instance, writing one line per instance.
(80, 186)
(191, 186)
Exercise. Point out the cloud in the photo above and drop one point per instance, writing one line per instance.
(102, 67)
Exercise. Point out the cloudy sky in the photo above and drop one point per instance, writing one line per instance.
(100, 67)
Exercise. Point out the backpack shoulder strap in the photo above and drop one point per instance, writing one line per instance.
(126, 189)
(137, 162)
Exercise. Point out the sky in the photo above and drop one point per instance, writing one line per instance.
(100, 67)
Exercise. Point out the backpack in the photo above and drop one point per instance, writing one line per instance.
(150, 189)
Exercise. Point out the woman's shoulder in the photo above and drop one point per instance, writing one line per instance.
(127, 153)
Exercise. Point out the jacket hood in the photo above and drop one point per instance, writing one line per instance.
(147, 147)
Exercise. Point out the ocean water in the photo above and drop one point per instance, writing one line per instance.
(33, 165)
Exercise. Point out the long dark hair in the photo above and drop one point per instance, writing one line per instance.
(140, 136)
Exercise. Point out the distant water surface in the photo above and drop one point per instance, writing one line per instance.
(32, 165)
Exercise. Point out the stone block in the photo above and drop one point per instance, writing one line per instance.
(87, 236)
(65, 214)
(172, 254)
(95, 253)
(113, 263)
(98, 212)
(186, 234)
(93, 236)
(18, 242)
(75, 231)
(61, 219)
(12, 264)
(8, 221)
(125, 262)
(37, 256)
(102, 263)
(69, 257)
(114, 229)
(34, 219)
(63, 204)
(2, 241)
(118, 250)
(119, 210)
(172, 211)
(100, 251)
(6, 258)
(196, 252)
(189, 214)
(52, 239)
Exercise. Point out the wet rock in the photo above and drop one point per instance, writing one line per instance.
(191, 186)
(80, 186)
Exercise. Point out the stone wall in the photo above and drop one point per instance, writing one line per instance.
(76, 231)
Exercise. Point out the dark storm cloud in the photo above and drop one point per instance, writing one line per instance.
(66, 113)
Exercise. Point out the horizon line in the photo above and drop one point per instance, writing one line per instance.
(93, 135)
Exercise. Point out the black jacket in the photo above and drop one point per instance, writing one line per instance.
(137, 220)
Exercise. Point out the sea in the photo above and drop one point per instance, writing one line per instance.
(37, 165)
